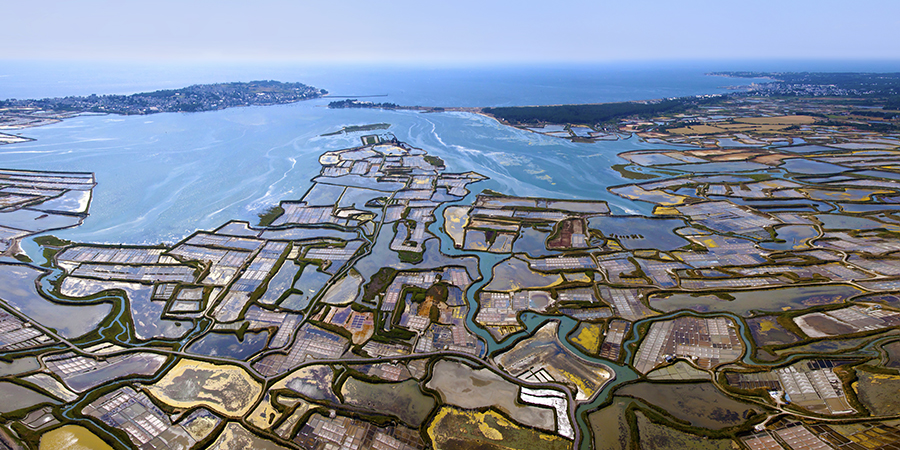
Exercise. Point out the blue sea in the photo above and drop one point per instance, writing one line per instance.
(162, 176)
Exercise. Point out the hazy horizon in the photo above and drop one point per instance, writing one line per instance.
(39, 79)
(462, 32)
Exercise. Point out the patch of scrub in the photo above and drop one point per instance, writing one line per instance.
(767, 331)
(587, 337)
(878, 392)
(701, 404)
(661, 437)
(265, 414)
(460, 385)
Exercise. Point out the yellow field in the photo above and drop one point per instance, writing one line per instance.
(589, 337)
(452, 428)
(226, 389)
(265, 414)
(455, 220)
(72, 437)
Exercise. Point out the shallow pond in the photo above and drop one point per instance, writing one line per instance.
(807, 166)
(842, 222)
(343, 291)
(227, 345)
(720, 167)
(14, 397)
(309, 284)
(746, 302)
(533, 242)
(795, 237)
(19, 365)
(641, 232)
(18, 290)
(383, 256)
(868, 207)
(514, 274)
(280, 283)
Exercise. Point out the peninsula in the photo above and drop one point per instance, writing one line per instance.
(15, 113)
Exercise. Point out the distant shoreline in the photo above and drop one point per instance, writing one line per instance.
(195, 98)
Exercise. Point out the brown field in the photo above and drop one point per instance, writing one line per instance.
(878, 392)
(697, 129)
(778, 120)
(660, 437)
(701, 404)
(771, 160)
(741, 156)
(736, 126)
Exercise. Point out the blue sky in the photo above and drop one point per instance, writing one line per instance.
(450, 31)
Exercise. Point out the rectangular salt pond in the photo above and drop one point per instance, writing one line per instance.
(71, 202)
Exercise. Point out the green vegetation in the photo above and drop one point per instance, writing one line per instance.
(266, 218)
(411, 257)
(358, 128)
(434, 161)
(629, 175)
(23, 257)
(379, 282)
(354, 103)
(51, 241)
(586, 114)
